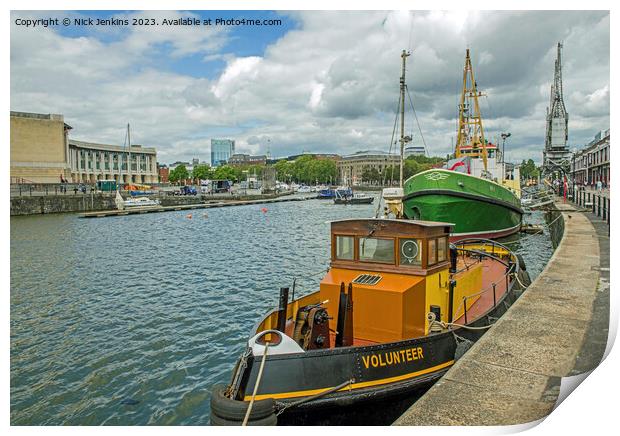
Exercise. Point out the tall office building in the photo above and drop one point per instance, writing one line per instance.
(221, 151)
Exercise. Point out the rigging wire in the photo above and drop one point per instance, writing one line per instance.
(417, 121)
(392, 142)
(389, 154)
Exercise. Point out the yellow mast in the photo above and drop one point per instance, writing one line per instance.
(470, 131)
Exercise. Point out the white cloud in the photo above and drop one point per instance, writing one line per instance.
(331, 84)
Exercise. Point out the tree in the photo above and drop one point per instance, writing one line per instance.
(284, 169)
(178, 174)
(301, 169)
(202, 172)
(528, 169)
(225, 172)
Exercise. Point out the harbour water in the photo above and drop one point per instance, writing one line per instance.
(130, 320)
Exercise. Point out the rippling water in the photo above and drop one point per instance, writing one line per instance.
(130, 320)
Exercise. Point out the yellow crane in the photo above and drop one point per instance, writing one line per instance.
(470, 135)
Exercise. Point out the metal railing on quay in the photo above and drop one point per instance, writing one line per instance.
(48, 189)
(593, 201)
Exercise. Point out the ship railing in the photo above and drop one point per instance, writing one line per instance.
(485, 248)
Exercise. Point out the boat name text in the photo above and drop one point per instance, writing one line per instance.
(393, 357)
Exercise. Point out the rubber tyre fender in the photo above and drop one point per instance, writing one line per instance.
(234, 410)
(521, 262)
(269, 420)
(524, 276)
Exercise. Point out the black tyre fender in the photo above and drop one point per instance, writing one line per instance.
(233, 410)
(524, 277)
(521, 262)
(270, 420)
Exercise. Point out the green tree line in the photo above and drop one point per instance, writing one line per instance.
(306, 169)
(412, 166)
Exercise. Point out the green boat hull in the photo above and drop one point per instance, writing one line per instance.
(477, 207)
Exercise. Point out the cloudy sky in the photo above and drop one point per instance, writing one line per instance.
(322, 81)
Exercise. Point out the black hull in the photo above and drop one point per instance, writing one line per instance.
(354, 201)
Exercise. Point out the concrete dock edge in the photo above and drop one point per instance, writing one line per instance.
(557, 328)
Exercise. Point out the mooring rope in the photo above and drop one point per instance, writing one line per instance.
(445, 325)
(258, 379)
(317, 396)
(518, 280)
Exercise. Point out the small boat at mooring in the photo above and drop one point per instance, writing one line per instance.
(398, 305)
(329, 193)
(353, 199)
(135, 202)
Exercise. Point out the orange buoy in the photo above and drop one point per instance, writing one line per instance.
(189, 216)
(264, 210)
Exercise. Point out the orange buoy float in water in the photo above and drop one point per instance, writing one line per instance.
(264, 210)
(189, 216)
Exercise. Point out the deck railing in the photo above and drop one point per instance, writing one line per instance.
(490, 249)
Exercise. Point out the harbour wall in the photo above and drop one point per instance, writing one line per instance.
(558, 328)
(94, 202)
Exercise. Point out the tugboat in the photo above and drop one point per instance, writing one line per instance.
(398, 305)
(390, 317)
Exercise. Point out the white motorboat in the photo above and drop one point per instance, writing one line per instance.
(131, 203)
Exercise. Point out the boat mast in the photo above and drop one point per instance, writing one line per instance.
(470, 131)
(403, 139)
(129, 157)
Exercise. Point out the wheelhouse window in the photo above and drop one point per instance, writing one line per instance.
(432, 251)
(442, 247)
(345, 247)
(410, 252)
(376, 250)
